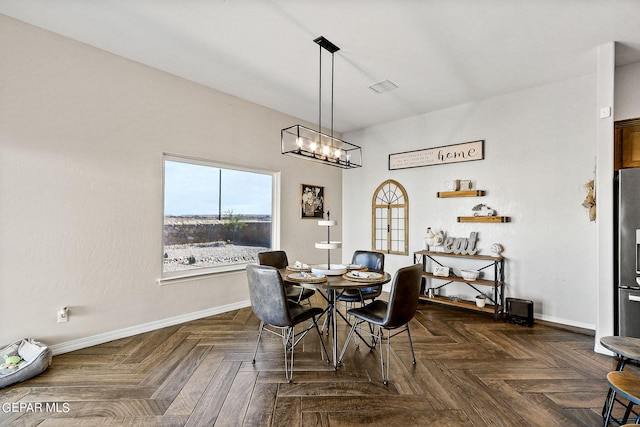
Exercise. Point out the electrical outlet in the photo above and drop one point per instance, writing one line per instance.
(63, 315)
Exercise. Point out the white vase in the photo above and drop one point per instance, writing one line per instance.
(480, 302)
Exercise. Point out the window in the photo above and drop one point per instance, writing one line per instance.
(390, 219)
(216, 217)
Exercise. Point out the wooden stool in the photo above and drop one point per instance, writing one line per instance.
(627, 385)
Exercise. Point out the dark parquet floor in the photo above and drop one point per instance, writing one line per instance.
(470, 371)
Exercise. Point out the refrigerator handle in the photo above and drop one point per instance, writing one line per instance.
(638, 251)
(634, 297)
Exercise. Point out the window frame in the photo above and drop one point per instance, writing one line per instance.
(402, 228)
(201, 272)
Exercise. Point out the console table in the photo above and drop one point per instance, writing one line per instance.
(488, 263)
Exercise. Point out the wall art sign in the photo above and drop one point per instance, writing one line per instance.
(465, 152)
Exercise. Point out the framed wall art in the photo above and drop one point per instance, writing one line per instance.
(311, 201)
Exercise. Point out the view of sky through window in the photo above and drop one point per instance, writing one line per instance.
(192, 189)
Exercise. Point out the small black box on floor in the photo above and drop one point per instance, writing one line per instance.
(519, 311)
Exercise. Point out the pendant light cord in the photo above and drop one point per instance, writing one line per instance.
(320, 91)
(332, 69)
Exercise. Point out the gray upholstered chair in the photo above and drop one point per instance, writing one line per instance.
(401, 308)
(279, 260)
(270, 304)
(374, 261)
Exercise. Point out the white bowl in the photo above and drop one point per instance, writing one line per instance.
(470, 274)
(334, 270)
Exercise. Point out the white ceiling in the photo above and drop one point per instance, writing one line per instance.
(440, 53)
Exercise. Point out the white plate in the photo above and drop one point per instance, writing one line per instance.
(364, 275)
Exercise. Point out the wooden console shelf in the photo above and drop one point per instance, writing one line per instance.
(493, 219)
(465, 193)
(458, 279)
(495, 303)
(490, 309)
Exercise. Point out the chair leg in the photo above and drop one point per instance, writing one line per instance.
(289, 345)
(258, 342)
(627, 412)
(610, 402)
(413, 354)
(326, 325)
(299, 301)
(324, 349)
(346, 343)
(383, 365)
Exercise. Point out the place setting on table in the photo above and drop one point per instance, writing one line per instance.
(304, 273)
(335, 280)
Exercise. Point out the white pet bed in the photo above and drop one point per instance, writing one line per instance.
(36, 358)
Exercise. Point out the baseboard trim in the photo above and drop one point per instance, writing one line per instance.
(566, 327)
(145, 327)
(578, 327)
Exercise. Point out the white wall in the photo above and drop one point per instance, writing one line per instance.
(82, 133)
(540, 147)
(627, 92)
(605, 97)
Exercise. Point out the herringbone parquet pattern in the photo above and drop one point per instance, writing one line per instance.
(471, 371)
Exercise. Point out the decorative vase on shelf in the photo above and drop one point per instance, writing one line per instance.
(433, 241)
(480, 301)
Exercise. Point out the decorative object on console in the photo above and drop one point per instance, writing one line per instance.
(497, 248)
(300, 141)
(465, 185)
(441, 271)
(461, 245)
(432, 240)
(452, 185)
(470, 275)
(483, 210)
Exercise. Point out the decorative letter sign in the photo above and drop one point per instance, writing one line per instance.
(461, 245)
(466, 152)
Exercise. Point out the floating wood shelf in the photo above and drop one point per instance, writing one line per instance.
(467, 193)
(494, 219)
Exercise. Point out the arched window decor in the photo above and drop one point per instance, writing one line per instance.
(390, 219)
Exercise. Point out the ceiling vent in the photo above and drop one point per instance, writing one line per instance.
(383, 86)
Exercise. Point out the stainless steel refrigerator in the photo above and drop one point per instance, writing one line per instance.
(627, 275)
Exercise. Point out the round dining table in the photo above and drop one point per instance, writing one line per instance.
(335, 285)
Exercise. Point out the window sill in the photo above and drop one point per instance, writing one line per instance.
(192, 276)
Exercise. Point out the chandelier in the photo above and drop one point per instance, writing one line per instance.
(301, 141)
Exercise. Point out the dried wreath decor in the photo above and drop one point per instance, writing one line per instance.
(590, 200)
